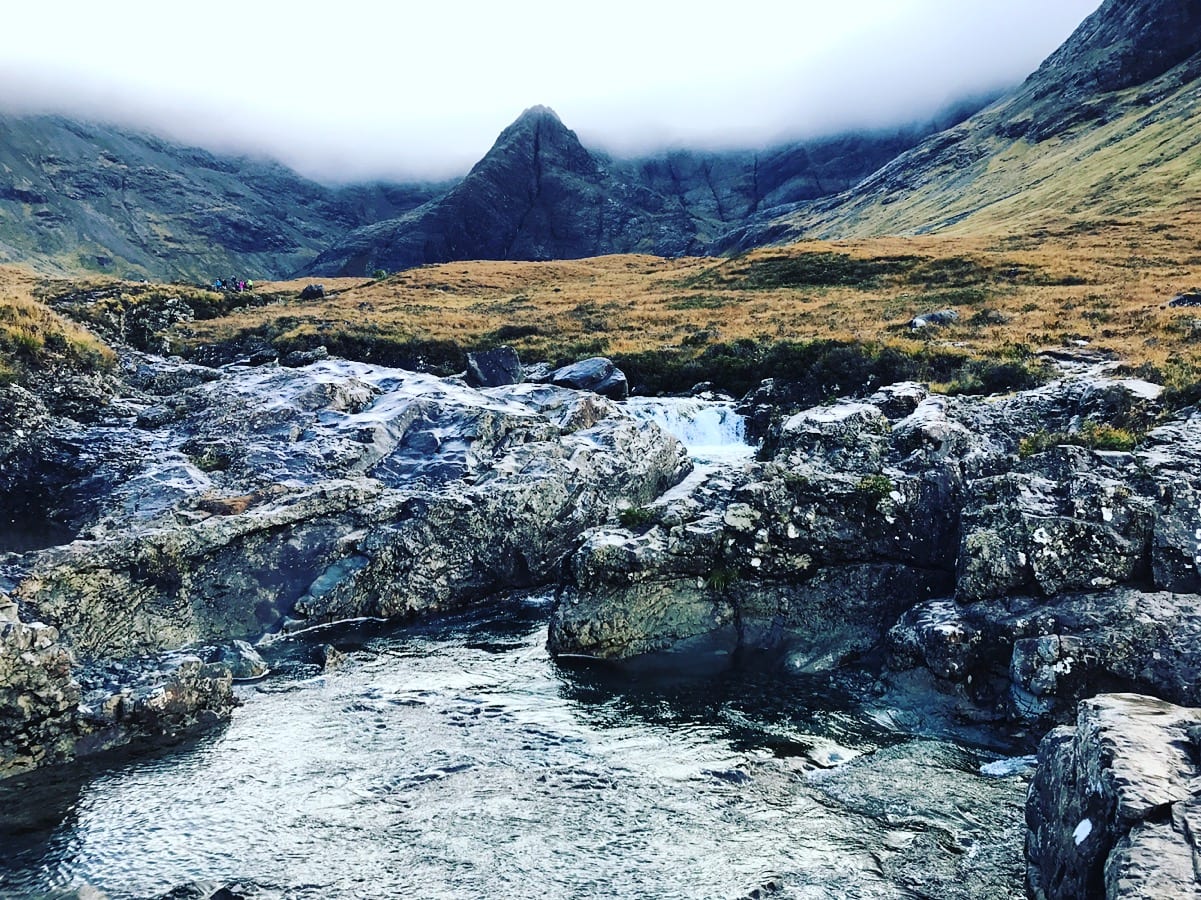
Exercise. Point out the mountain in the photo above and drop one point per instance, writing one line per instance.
(537, 194)
(540, 194)
(1106, 127)
(82, 197)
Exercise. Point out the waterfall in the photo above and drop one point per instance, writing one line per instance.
(711, 430)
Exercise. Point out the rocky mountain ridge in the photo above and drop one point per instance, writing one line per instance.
(81, 197)
(1103, 128)
(85, 197)
(540, 194)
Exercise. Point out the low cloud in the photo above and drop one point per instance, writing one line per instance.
(405, 94)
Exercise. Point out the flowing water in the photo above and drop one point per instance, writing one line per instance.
(711, 430)
(456, 759)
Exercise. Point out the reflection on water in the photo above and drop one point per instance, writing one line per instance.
(458, 760)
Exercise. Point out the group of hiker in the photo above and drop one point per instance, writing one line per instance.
(230, 284)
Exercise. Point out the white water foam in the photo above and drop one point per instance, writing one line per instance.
(710, 429)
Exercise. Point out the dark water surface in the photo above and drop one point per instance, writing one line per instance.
(458, 760)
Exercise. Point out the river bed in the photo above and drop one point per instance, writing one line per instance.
(457, 759)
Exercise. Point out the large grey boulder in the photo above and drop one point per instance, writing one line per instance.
(597, 374)
(1064, 520)
(493, 368)
(1050, 653)
(1115, 805)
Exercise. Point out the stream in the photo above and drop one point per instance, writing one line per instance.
(456, 759)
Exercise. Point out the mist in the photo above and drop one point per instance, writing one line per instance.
(352, 91)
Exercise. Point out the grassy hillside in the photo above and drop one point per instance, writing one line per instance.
(1105, 128)
(1103, 286)
(34, 338)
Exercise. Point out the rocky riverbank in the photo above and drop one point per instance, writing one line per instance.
(205, 505)
(1007, 556)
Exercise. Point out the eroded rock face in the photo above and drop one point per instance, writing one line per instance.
(335, 490)
(1113, 808)
(1047, 654)
(221, 504)
(1025, 583)
(38, 697)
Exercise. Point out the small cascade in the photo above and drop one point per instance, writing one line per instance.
(710, 429)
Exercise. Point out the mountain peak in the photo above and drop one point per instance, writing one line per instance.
(1124, 43)
(537, 114)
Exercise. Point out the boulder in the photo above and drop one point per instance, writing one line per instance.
(493, 368)
(597, 374)
(1046, 654)
(1190, 298)
(934, 319)
(1115, 804)
(313, 292)
(151, 700)
(1065, 520)
(38, 697)
(297, 358)
(243, 661)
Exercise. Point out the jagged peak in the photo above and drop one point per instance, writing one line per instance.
(538, 113)
(1125, 42)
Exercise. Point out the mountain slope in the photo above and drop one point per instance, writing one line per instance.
(539, 194)
(1105, 127)
(78, 197)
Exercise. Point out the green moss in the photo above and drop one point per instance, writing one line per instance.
(1094, 435)
(879, 487)
(635, 517)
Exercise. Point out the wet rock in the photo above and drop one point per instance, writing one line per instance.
(297, 358)
(299, 492)
(598, 375)
(1114, 804)
(243, 661)
(1050, 653)
(330, 657)
(38, 696)
(207, 890)
(161, 377)
(152, 700)
(494, 368)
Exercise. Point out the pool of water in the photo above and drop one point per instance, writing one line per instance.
(457, 759)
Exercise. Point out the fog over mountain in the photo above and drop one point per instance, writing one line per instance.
(359, 90)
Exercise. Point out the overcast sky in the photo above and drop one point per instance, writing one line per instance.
(348, 89)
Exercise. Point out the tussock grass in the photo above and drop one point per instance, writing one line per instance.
(836, 311)
(35, 337)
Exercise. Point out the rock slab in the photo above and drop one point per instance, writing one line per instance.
(1114, 808)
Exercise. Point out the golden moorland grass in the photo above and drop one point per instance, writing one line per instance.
(1104, 285)
(33, 336)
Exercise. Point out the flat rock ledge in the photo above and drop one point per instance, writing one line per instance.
(1114, 810)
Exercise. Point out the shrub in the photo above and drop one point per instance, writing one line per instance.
(635, 517)
(1094, 435)
(721, 578)
(879, 487)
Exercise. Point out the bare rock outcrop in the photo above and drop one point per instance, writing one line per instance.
(1114, 807)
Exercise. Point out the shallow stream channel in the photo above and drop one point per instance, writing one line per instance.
(455, 758)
